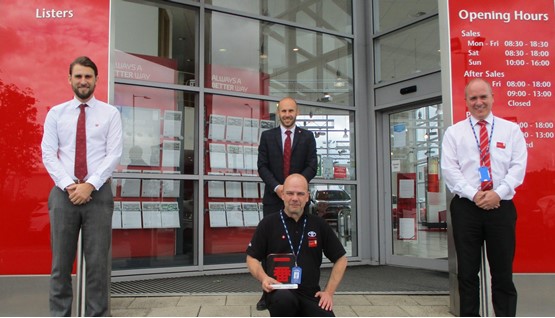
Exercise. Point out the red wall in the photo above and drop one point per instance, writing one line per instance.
(39, 39)
(510, 43)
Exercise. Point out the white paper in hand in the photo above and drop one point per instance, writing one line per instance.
(284, 286)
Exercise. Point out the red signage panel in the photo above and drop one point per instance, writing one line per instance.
(39, 41)
(510, 43)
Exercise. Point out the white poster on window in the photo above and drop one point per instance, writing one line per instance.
(216, 214)
(399, 135)
(170, 153)
(217, 156)
(131, 215)
(116, 217)
(170, 214)
(235, 158)
(172, 123)
(216, 127)
(406, 189)
(151, 215)
(250, 130)
(234, 128)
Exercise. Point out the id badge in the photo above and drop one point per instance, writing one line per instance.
(484, 174)
(296, 273)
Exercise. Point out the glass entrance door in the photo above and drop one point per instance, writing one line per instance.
(417, 210)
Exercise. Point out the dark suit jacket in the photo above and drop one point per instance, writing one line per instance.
(270, 159)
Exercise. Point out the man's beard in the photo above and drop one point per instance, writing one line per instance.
(83, 96)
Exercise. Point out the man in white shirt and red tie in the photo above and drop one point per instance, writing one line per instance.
(483, 162)
(81, 147)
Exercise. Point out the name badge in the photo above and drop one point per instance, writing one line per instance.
(484, 174)
(296, 273)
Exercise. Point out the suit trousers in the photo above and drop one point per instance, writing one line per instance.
(94, 219)
(292, 303)
(472, 226)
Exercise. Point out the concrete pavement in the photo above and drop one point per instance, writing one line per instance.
(244, 305)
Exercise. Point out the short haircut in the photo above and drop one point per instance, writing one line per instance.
(85, 61)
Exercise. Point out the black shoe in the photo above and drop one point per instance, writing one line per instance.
(261, 304)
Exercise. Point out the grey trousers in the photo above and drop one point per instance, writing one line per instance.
(94, 219)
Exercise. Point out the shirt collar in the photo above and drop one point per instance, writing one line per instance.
(91, 102)
(283, 129)
(488, 119)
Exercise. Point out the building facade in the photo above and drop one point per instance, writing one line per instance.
(197, 82)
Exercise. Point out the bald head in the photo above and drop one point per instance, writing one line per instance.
(479, 98)
(295, 195)
(287, 112)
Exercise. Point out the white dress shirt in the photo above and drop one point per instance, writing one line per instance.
(104, 142)
(460, 157)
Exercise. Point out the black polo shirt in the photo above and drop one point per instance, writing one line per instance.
(270, 237)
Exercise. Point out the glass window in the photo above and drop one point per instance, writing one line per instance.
(419, 210)
(389, 14)
(158, 129)
(152, 223)
(234, 125)
(232, 131)
(230, 219)
(154, 43)
(335, 140)
(277, 60)
(232, 212)
(337, 205)
(328, 14)
(408, 52)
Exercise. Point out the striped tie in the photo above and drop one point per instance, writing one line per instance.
(484, 154)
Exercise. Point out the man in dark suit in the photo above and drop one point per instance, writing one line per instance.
(271, 154)
(271, 165)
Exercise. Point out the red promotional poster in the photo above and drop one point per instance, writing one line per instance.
(39, 41)
(509, 43)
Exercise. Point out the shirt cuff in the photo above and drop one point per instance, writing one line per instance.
(95, 181)
(64, 183)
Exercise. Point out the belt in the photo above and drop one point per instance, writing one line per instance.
(84, 181)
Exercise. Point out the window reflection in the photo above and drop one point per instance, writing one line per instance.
(419, 210)
(234, 125)
(337, 205)
(232, 212)
(393, 13)
(166, 51)
(335, 141)
(152, 223)
(277, 60)
(158, 129)
(408, 52)
(328, 14)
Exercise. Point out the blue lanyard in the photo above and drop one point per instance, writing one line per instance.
(476, 137)
(289, 237)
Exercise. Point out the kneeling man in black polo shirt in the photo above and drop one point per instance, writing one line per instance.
(302, 238)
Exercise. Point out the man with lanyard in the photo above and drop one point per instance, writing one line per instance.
(284, 150)
(306, 237)
(483, 161)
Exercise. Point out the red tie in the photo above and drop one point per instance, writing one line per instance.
(484, 153)
(81, 146)
(287, 154)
